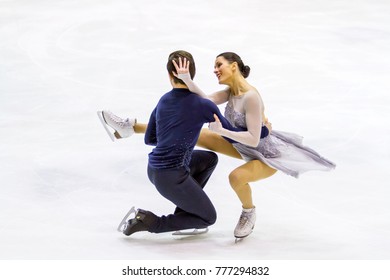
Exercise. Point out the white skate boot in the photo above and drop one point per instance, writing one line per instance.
(245, 224)
(123, 127)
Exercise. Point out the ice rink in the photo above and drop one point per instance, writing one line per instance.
(322, 68)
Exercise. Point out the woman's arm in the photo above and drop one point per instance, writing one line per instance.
(253, 114)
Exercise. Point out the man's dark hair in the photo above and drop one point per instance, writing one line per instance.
(175, 56)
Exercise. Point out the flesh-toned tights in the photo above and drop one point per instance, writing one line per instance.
(240, 177)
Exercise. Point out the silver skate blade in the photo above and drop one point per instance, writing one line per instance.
(195, 231)
(105, 125)
(123, 223)
(239, 239)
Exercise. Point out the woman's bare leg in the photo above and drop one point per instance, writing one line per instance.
(240, 178)
(140, 127)
(215, 142)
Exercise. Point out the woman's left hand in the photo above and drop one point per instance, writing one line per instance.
(216, 126)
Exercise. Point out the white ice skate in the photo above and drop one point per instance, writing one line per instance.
(123, 128)
(245, 224)
(122, 225)
(195, 231)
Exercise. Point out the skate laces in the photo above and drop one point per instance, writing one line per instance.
(245, 219)
(125, 123)
(119, 121)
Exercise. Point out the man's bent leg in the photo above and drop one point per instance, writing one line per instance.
(179, 187)
(202, 165)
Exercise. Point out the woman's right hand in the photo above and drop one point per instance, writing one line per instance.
(268, 125)
(183, 73)
(183, 69)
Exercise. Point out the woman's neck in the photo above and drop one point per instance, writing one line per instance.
(239, 86)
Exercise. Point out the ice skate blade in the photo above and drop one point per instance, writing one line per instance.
(191, 232)
(122, 225)
(238, 239)
(105, 125)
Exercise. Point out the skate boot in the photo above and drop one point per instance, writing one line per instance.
(142, 221)
(245, 224)
(123, 127)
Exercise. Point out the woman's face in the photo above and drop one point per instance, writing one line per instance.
(222, 69)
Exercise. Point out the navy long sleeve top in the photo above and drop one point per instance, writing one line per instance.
(174, 127)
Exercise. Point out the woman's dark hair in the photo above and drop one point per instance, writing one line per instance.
(233, 57)
(175, 56)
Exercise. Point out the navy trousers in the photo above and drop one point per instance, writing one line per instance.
(185, 189)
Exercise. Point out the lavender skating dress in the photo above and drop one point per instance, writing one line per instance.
(280, 150)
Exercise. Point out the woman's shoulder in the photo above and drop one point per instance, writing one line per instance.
(253, 91)
(253, 98)
(252, 94)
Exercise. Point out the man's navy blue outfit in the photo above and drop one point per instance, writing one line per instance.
(178, 171)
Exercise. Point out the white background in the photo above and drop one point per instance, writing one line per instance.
(322, 68)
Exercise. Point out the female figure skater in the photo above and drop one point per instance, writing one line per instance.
(244, 109)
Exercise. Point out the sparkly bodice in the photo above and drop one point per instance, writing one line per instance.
(237, 119)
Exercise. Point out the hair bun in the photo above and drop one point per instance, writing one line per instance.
(245, 71)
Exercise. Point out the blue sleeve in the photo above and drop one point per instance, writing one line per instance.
(226, 124)
(150, 133)
(211, 107)
(264, 132)
(210, 110)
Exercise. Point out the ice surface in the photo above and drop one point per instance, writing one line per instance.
(322, 68)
